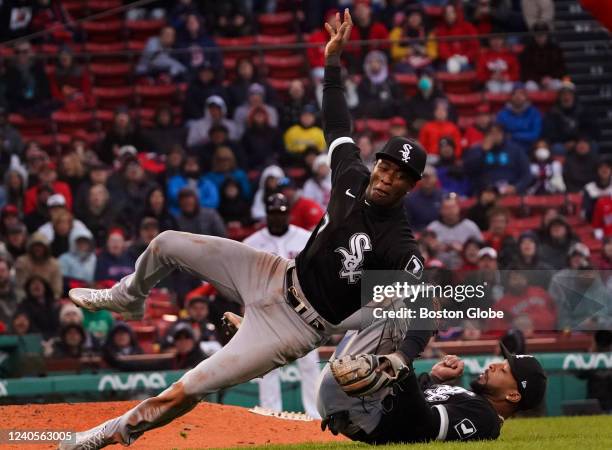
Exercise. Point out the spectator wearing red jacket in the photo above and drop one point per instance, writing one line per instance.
(474, 134)
(70, 83)
(304, 212)
(316, 56)
(456, 54)
(602, 217)
(497, 67)
(47, 176)
(364, 28)
(498, 237)
(521, 300)
(440, 127)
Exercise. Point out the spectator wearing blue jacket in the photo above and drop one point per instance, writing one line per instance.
(499, 162)
(521, 120)
(191, 176)
(224, 167)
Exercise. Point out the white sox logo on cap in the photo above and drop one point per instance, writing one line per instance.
(406, 152)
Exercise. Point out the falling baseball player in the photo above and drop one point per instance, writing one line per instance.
(291, 306)
(426, 408)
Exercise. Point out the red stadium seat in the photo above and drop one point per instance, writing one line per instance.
(528, 223)
(380, 128)
(98, 6)
(277, 23)
(466, 203)
(106, 53)
(457, 83)
(245, 42)
(466, 121)
(111, 74)
(497, 101)
(141, 30)
(281, 86)
(112, 98)
(103, 32)
(574, 202)
(543, 202)
(466, 104)
(64, 140)
(69, 122)
(543, 100)
(76, 8)
(408, 83)
(48, 142)
(270, 41)
(105, 118)
(29, 126)
(153, 96)
(287, 67)
(513, 202)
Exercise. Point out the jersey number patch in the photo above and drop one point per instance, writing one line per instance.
(352, 259)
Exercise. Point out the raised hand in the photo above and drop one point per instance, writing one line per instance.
(339, 32)
(449, 368)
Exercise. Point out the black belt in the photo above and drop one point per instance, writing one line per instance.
(300, 307)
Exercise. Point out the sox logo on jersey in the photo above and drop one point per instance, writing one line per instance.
(353, 260)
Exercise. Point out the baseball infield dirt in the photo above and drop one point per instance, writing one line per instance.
(207, 426)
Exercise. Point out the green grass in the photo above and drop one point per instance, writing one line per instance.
(553, 433)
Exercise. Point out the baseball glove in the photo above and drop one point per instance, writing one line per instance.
(358, 375)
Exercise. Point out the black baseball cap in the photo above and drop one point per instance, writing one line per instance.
(530, 378)
(409, 154)
(277, 203)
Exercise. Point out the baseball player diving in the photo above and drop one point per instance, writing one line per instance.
(424, 408)
(291, 306)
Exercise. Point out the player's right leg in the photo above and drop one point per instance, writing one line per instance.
(229, 265)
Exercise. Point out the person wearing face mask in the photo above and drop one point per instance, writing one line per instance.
(547, 173)
(208, 193)
(420, 108)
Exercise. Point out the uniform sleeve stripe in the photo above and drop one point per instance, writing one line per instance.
(335, 143)
(443, 422)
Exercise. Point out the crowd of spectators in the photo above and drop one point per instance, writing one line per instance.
(82, 216)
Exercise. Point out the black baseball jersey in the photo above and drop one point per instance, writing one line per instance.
(435, 412)
(353, 236)
(463, 414)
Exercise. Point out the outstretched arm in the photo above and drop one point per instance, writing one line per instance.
(336, 116)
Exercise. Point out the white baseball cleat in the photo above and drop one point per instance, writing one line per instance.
(93, 439)
(98, 299)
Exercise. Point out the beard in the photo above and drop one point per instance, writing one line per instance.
(478, 388)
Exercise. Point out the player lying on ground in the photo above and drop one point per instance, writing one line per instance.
(425, 408)
(291, 307)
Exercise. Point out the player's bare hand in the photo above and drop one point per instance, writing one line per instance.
(339, 32)
(449, 368)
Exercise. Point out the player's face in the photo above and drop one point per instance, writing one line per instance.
(497, 380)
(388, 184)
